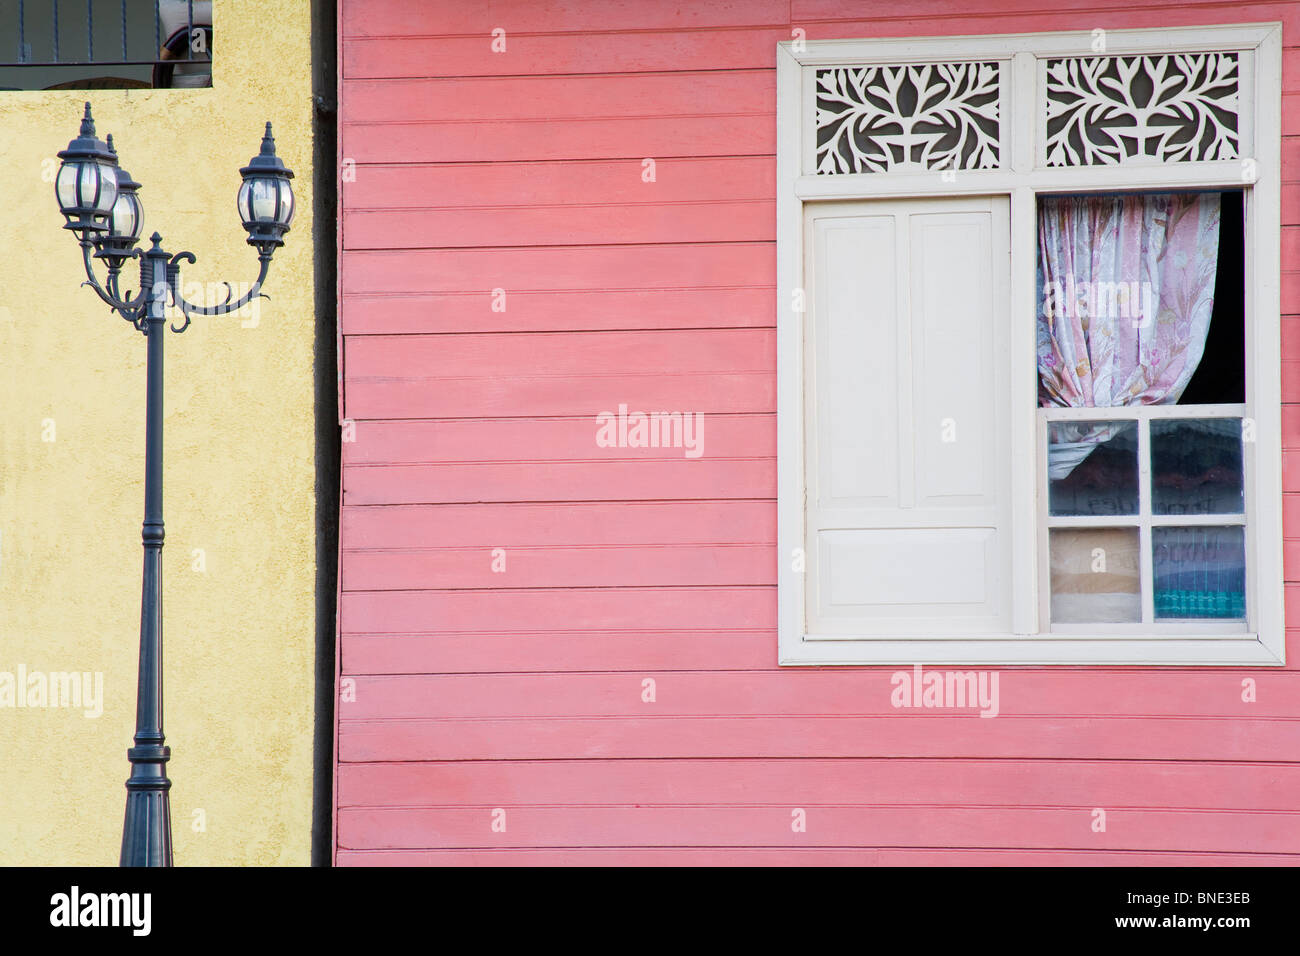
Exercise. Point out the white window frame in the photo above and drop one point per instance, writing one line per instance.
(1022, 177)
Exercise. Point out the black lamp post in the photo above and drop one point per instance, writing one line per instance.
(98, 199)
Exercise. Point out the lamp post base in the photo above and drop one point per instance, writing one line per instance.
(147, 832)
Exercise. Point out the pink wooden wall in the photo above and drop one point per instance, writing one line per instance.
(522, 691)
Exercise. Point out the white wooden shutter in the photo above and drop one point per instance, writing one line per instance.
(906, 408)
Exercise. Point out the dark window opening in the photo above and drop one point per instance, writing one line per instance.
(1220, 378)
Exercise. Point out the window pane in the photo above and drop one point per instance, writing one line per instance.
(1126, 288)
(1220, 376)
(1199, 572)
(1196, 466)
(1095, 575)
(1092, 468)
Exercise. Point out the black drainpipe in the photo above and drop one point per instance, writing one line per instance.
(325, 384)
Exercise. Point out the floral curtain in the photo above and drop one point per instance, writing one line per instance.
(1126, 288)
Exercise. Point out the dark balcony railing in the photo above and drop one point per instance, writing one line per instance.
(74, 44)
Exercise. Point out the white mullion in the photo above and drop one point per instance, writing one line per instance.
(1218, 174)
(1156, 521)
(1022, 130)
(905, 359)
(1093, 521)
(1038, 123)
(1198, 521)
(1043, 535)
(1203, 174)
(1140, 412)
(1031, 573)
(1146, 577)
(1023, 425)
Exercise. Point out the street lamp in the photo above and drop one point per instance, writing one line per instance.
(99, 200)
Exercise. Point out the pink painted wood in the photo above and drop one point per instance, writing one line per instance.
(524, 686)
(802, 781)
(795, 856)
(878, 825)
(1141, 740)
(616, 137)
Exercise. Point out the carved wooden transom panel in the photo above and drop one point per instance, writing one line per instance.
(1122, 109)
(930, 116)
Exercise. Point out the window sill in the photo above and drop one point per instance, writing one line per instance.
(1235, 650)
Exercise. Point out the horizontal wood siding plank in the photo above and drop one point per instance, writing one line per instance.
(1290, 426)
(540, 439)
(1290, 393)
(551, 651)
(468, 397)
(562, 97)
(1102, 783)
(548, 652)
(1291, 559)
(601, 353)
(859, 692)
(603, 738)
(607, 480)
(719, 456)
(1223, 831)
(534, 54)
(743, 221)
(685, 266)
(1290, 289)
(422, 612)
(422, 18)
(546, 184)
(586, 310)
(577, 523)
(550, 567)
(1291, 599)
(464, 376)
(801, 856)
(718, 134)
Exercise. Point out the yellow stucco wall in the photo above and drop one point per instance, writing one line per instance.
(238, 634)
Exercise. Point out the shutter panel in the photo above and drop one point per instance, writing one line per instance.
(907, 405)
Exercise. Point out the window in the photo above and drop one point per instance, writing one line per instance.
(105, 44)
(1028, 340)
(1142, 502)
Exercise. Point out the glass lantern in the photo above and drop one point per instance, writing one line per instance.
(265, 201)
(124, 220)
(86, 184)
